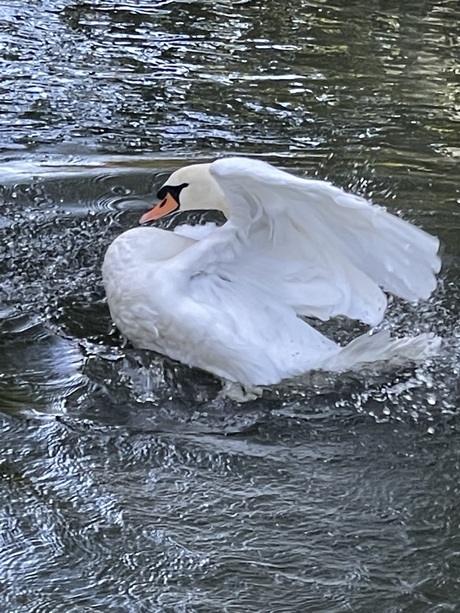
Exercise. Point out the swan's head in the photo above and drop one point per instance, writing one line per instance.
(187, 189)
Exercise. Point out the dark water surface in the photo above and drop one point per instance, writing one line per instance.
(126, 483)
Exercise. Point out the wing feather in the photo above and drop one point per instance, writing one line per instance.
(321, 250)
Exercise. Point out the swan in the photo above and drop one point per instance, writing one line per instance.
(231, 299)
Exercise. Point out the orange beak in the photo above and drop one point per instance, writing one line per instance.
(168, 205)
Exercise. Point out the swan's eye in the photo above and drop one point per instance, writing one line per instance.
(173, 190)
(163, 193)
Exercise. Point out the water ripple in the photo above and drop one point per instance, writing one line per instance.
(127, 483)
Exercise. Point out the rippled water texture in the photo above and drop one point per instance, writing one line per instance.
(126, 483)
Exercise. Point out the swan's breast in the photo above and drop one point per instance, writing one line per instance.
(140, 292)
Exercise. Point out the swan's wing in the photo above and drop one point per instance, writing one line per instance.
(323, 251)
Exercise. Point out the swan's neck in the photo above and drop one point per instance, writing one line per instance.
(141, 247)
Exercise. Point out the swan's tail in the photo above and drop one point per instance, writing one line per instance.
(380, 347)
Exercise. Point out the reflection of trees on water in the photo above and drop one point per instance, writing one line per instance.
(269, 77)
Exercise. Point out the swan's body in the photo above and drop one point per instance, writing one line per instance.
(230, 302)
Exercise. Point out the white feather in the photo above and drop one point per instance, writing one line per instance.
(230, 302)
(197, 232)
(328, 251)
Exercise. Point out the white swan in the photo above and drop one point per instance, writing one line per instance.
(231, 302)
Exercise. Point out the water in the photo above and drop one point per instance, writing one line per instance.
(127, 483)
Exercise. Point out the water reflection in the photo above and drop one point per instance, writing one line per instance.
(127, 483)
(168, 76)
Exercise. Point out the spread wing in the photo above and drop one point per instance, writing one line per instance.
(320, 250)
